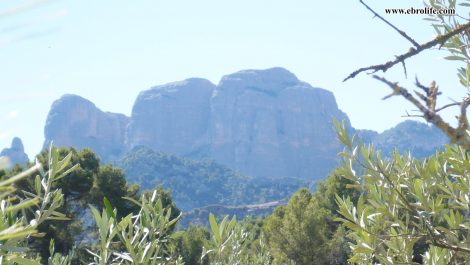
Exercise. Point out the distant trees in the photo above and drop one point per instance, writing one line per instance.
(304, 231)
(191, 245)
(298, 231)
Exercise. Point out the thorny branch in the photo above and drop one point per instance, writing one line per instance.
(426, 100)
(441, 39)
(401, 32)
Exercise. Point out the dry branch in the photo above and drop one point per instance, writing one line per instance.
(441, 39)
(458, 135)
(401, 32)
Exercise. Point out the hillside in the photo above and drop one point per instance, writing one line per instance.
(196, 184)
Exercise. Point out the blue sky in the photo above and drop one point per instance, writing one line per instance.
(109, 51)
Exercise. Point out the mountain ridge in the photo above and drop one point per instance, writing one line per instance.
(258, 122)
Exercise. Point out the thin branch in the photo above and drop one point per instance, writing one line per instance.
(441, 39)
(448, 105)
(423, 87)
(462, 134)
(452, 247)
(401, 32)
(412, 116)
(457, 135)
(405, 202)
(404, 69)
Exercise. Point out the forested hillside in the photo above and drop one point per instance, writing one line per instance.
(196, 184)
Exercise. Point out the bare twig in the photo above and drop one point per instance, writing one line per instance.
(404, 69)
(448, 105)
(441, 39)
(401, 32)
(412, 116)
(423, 87)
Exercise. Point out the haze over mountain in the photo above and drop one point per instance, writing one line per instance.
(259, 122)
(15, 153)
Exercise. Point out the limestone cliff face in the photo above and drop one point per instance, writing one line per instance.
(75, 121)
(15, 154)
(259, 122)
(268, 123)
(173, 118)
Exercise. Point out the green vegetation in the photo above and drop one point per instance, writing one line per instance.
(370, 210)
(195, 184)
(409, 210)
(415, 212)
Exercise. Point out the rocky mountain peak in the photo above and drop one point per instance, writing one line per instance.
(271, 80)
(75, 121)
(173, 117)
(263, 123)
(17, 145)
(15, 154)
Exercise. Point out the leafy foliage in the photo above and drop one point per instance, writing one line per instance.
(87, 184)
(409, 210)
(458, 44)
(21, 212)
(136, 239)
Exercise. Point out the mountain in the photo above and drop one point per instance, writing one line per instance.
(269, 123)
(196, 184)
(77, 122)
(418, 138)
(15, 154)
(172, 118)
(261, 123)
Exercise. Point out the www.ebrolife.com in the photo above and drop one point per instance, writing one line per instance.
(420, 11)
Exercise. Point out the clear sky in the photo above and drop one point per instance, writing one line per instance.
(109, 51)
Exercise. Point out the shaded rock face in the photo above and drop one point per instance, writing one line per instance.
(173, 118)
(15, 153)
(77, 122)
(268, 123)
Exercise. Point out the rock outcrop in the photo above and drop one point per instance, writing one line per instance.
(259, 122)
(15, 154)
(268, 123)
(77, 122)
(173, 118)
